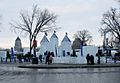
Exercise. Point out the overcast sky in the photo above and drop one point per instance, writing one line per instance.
(73, 15)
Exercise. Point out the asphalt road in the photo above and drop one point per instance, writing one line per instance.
(13, 74)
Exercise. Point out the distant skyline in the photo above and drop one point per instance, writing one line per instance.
(73, 15)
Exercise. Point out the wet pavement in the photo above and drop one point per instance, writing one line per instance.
(13, 74)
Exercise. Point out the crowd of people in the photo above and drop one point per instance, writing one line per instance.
(48, 57)
(90, 59)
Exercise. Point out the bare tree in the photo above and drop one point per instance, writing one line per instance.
(84, 36)
(37, 21)
(111, 22)
(108, 38)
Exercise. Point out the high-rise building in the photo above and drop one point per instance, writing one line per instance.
(18, 45)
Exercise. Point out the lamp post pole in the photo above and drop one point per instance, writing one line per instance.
(81, 47)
